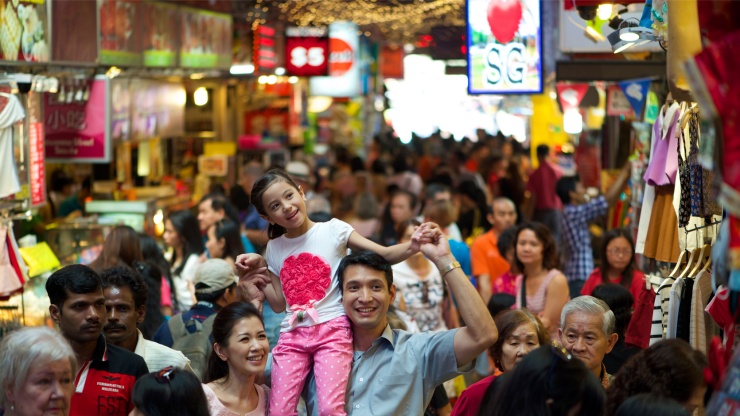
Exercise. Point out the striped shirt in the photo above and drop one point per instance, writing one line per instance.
(660, 310)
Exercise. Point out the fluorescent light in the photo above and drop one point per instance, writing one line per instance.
(262, 79)
(628, 36)
(199, 75)
(241, 69)
(573, 121)
(604, 11)
(622, 46)
(293, 80)
(272, 79)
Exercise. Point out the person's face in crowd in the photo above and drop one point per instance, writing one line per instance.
(507, 149)
(618, 253)
(503, 216)
(247, 348)
(46, 391)
(447, 197)
(214, 245)
(401, 209)
(284, 205)
(171, 237)
(122, 314)
(81, 317)
(366, 297)
(582, 334)
(207, 216)
(519, 343)
(578, 196)
(529, 248)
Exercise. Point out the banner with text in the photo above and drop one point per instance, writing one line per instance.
(504, 46)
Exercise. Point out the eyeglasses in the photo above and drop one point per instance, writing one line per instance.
(165, 375)
(617, 251)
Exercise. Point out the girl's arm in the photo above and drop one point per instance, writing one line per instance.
(426, 233)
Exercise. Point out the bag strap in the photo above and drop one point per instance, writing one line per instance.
(523, 292)
(177, 327)
(208, 325)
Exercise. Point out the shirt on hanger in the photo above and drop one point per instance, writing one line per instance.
(674, 303)
(11, 114)
(660, 311)
(719, 309)
(703, 327)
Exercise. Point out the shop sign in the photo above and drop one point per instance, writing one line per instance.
(504, 46)
(636, 91)
(160, 35)
(24, 31)
(344, 68)
(616, 102)
(76, 132)
(307, 51)
(206, 39)
(391, 62)
(36, 162)
(265, 59)
(217, 165)
(118, 37)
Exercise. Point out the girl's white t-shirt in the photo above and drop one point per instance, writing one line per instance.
(307, 267)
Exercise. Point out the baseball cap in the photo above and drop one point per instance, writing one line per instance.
(298, 169)
(217, 274)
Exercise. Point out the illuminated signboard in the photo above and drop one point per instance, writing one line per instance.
(344, 67)
(504, 46)
(307, 51)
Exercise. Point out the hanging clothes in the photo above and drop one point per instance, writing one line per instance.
(674, 301)
(11, 114)
(660, 311)
(719, 309)
(662, 236)
(11, 281)
(663, 165)
(638, 330)
(703, 327)
(702, 203)
(683, 320)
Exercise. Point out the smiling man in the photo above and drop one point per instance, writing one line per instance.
(587, 332)
(125, 303)
(394, 371)
(106, 374)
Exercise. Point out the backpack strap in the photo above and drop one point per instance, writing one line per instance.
(208, 325)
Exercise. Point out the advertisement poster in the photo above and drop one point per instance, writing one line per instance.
(120, 109)
(119, 39)
(24, 31)
(36, 162)
(206, 39)
(76, 132)
(617, 103)
(504, 46)
(344, 65)
(160, 35)
(307, 51)
(159, 110)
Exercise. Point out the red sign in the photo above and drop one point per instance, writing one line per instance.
(307, 56)
(391, 62)
(571, 95)
(342, 57)
(36, 159)
(264, 49)
(76, 131)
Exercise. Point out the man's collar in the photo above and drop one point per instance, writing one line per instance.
(606, 378)
(101, 349)
(140, 344)
(387, 335)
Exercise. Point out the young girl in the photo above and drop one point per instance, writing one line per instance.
(302, 257)
(617, 265)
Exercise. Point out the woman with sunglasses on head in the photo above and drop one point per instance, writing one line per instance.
(547, 382)
(617, 264)
(520, 332)
(171, 391)
(240, 348)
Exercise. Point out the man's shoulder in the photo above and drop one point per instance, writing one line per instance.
(403, 340)
(123, 361)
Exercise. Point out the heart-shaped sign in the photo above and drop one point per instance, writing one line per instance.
(503, 18)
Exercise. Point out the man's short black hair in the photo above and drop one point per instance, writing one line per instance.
(368, 259)
(542, 151)
(124, 276)
(433, 189)
(76, 278)
(565, 186)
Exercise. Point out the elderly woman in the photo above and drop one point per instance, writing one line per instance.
(520, 332)
(37, 370)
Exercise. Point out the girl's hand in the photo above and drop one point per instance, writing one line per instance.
(427, 233)
(246, 263)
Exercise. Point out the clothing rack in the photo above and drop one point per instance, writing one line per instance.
(699, 227)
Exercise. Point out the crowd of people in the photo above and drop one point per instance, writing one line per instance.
(360, 289)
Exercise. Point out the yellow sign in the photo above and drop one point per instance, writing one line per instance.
(219, 149)
(40, 259)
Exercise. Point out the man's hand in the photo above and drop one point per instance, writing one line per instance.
(438, 250)
(248, 263)
(250, 289)
(426, 233)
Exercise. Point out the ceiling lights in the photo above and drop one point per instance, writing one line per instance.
(628, 37)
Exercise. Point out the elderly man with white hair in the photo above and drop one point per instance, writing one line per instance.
(587, 332)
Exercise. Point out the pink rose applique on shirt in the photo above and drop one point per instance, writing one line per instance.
(305, 278)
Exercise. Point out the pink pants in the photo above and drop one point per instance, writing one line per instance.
(328, 347)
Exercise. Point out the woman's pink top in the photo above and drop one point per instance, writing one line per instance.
(166, 290)
(663, 165)
(216, 408)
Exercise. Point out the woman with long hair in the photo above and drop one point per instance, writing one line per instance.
(154, 257)
(121, 248)
(182, 236)
(224, 240)
(239, 355)
(617, 264)
(519, 333)
(541, 287)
